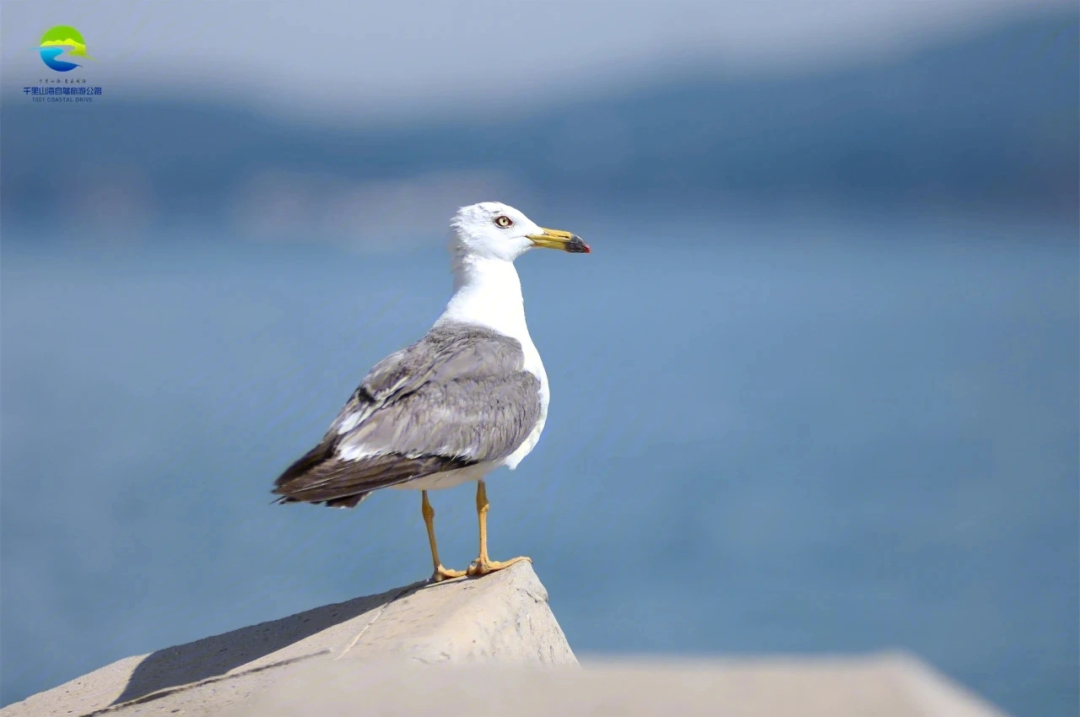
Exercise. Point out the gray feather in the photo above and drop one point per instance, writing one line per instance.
(457, 397)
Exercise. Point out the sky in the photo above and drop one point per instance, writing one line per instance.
(351, 62)
(971, 107)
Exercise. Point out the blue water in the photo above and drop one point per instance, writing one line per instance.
(761, 440)
(50, 55)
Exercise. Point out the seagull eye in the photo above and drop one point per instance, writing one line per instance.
(504, 221)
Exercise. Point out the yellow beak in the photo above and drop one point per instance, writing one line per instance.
(558, 239)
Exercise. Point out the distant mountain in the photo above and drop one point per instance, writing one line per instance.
(988, 124)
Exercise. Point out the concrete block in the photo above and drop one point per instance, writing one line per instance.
(502, 617)
(484, 648)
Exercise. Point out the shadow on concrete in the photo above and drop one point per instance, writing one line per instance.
(215, 656)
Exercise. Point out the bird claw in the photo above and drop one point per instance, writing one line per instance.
(483, 566)
(442, 573)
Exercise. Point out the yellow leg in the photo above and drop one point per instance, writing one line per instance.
(483, 564)
(441, 573)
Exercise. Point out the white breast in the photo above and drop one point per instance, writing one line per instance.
(535, 366)
(488, 293)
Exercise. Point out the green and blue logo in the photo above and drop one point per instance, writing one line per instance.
(58, 40)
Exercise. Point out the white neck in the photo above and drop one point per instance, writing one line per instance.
(488, 292)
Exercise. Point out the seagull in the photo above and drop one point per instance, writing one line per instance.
(469, 397)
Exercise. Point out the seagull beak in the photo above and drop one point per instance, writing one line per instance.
(557, 239)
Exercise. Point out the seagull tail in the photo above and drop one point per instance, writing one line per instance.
(288, 482)
(301, 467)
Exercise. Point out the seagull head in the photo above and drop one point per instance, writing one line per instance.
(494, 230)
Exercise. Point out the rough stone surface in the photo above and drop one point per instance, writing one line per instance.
(502, 617)
(872, 686)
(483, 648)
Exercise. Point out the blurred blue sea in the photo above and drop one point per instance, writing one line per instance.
(817, 389)
(836, 436)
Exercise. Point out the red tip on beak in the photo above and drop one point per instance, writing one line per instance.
(577, 246)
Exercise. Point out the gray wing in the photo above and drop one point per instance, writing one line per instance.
(457, 397)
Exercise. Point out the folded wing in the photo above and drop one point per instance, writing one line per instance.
(457, 397)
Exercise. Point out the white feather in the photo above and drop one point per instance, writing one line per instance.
(487, 292)
(349, 422)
